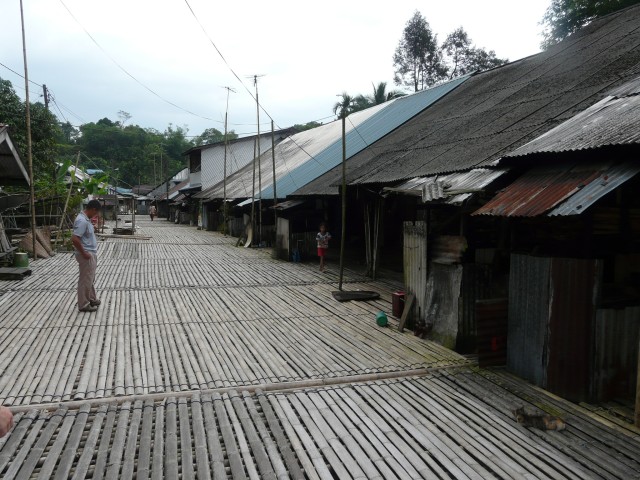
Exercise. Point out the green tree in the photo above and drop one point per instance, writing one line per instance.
(44, 130)
(563, 17)
(417, 61)
(307, 126)
(213, 135)
(381, 95)
(461, 57)
(343, 107)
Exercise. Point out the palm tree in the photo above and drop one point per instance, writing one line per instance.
(380, 94)
(344, 107)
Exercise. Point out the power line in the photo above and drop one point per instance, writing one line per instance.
(129, 74)
(19, 74)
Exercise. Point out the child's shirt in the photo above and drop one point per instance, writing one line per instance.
(323, 239)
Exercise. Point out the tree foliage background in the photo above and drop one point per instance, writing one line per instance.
(123, 150)
(419, 62)
(564, 17)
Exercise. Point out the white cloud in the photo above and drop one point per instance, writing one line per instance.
(308, 52)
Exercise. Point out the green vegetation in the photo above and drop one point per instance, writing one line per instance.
(419, 62)
(138, 155)
(563, 17)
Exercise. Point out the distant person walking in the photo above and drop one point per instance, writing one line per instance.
(86, 245)
(152, 212)
(322, 238)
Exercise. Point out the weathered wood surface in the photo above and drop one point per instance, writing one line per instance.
(189, 315)
(447, 425)
(189, 311)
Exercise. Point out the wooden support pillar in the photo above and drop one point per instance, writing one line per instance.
(637, 415)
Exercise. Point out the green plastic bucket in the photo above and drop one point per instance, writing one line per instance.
(20, 260)
(381, 319)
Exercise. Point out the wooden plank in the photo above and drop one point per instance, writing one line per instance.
(146, 433)
(187, 472)
(199, 439)
(35, 451)
(85, 459)
(273, 428)
(215, 449)
(130, 451)
(408, 306)
(233, 454)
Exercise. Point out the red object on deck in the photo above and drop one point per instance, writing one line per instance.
(397, 303)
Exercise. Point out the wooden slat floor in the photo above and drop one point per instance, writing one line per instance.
(448, 425)
(160, 382)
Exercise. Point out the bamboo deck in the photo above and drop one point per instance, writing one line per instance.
(174, 377)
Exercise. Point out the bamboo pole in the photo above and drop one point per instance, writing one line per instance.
(275, 195)
(32, 192)
(265, 387)
(344, 201)
(66, 203)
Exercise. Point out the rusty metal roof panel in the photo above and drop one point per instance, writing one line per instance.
(607, 181)
(541, 189)
(612, 121)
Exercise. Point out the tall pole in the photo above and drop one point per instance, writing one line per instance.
(344, 201)
(255, 80)
(275, 195)
(253, 189)
(29, 146)
(226, 145)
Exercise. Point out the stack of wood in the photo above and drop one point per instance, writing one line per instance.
(43, 243)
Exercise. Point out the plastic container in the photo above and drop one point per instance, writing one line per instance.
(397, 303)
(20, 260)
(381, 319)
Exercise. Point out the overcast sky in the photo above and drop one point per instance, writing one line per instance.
(308, 52)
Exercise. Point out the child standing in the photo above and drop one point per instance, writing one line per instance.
(322, 238)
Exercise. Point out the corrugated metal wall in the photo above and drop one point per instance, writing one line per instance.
(415, 263)
(528, 317)
(615, 353)
(551, 322)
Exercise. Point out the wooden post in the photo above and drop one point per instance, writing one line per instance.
(637, 415)
(32, 192)
(344, 201)
(275, 195)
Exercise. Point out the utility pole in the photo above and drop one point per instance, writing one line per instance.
(255, 82)
(45, 93)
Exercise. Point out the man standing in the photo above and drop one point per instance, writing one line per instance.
(152, 212)
(86, 245)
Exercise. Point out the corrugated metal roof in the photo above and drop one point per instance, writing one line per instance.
(541, 189)
(452, 188)
(307, 155)
(497, 111)
(384, 119)
(609, 180)
(612, 121)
